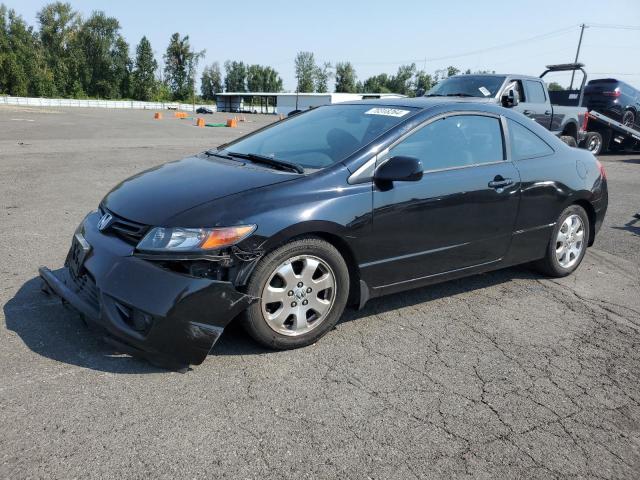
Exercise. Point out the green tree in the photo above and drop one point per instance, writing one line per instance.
(105, 56)
(59, 26)
(402, 81)
(376, 84)
(235, 79)
(555, 87)
(263, 79)
(23, 70)
(451, 71)
(306, 70)
(180, 66)
(423, 82)
(345, 78)
(211, 81)
(144, 73)
(322, 76)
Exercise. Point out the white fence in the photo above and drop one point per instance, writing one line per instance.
(69, 102)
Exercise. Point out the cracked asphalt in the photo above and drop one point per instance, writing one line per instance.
(502, 375)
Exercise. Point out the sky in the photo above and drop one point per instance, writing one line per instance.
(376, 36)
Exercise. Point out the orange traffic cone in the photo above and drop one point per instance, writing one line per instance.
(157, 116)
(200, 122)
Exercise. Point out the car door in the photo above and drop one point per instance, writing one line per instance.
(459, 215)
(537, 106)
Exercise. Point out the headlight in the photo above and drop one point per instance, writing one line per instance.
(161, 239)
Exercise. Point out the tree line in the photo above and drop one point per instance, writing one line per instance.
(73, 57)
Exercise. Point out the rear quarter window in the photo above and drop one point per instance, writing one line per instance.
(526, 144)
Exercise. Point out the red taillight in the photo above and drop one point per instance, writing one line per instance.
(615, 93)
(601, 168)
(585, 122)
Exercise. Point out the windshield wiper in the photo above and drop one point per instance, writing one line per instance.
(458, 95)
(273, 162)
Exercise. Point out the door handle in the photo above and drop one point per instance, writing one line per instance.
(527, 112)
(547, 112)
(499, 182)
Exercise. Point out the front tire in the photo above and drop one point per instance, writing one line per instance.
(568, 243)
(569, 140)
(303, 288)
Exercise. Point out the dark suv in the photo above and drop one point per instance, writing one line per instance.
(615, 99)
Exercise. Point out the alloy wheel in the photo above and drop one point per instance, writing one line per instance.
(298, 295)
(570, 241)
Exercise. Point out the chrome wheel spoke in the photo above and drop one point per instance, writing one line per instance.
(309, 269)
(287, 274)
(322, 283)
(273, 294)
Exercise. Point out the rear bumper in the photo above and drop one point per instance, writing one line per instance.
(171, 319)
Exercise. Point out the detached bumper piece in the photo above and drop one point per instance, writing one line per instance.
(170, 319)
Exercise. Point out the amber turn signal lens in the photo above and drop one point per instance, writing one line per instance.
(221, 237)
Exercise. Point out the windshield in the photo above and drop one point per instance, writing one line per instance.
(482, 86)
(323, 136)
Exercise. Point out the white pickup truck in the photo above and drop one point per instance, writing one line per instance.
(526, 94)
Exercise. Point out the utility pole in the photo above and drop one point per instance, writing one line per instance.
(573, 72)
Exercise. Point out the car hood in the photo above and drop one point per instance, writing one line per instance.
(154, 196)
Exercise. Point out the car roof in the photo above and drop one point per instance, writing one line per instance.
(427, 103)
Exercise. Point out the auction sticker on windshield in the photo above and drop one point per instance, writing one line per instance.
(484, 91)
(389, 112)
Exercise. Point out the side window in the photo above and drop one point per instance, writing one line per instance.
(525, 143)
(454, 141)
(535, 91)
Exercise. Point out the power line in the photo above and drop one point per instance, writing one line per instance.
(542, 36)
(613, 26)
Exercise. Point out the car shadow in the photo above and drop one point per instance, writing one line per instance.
(632, 225)
(58, 333)
(631, 160)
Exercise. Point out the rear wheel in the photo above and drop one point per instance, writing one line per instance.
(303, 288)
(568, 243)
(594, 142)
(629, 119)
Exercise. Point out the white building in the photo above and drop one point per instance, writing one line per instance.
(284, 103)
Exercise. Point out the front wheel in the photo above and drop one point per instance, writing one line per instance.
(568, 243)
(302, 288)
(569, 140)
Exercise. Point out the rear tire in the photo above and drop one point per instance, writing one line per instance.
(629, 119)
(568, 243)
(303, 288)
(594, 143)
(569, 140)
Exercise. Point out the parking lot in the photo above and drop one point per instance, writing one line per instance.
(501, 375)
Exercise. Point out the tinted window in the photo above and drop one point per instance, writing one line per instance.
(323, 136)
(536, 92)
(455, 141)
(525, 143)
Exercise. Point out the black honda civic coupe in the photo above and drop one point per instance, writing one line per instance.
(286, 226)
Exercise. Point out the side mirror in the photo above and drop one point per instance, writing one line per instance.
(398, 169)
(510, 98)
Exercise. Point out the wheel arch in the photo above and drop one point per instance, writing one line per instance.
(329, 232)
(591, 213)
(571, 130)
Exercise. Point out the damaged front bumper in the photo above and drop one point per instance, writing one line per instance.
(169, 318)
